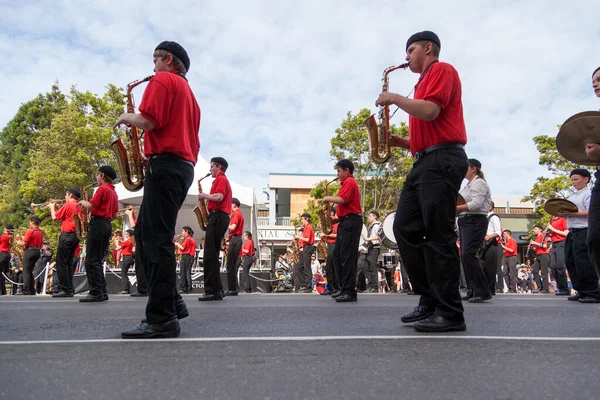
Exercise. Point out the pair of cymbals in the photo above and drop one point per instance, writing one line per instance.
(575, 133)
(555, 206)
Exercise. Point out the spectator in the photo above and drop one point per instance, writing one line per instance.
(319, 280)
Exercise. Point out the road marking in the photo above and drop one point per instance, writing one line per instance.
(303, 339)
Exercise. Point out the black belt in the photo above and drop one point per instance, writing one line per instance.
(350, 216)
(171, 156)
(216, 211)
(98, 217)
(577, 229)
(232, 236)
(68, 233)
(436, 147)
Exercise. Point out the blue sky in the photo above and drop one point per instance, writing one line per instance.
(275, 79)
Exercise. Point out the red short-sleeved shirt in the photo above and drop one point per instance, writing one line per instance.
(189, 246)
(511, 244)
(221, 185)
(170, 105)
(541, 250)
(309, 233)
(249, 246)
(335, 229)
(127, 247)
(560, 224)
(238, 219)
(350, 192)
(5, 243)
(65, 214)
(105, 202)
(34, 237)
(440, 85)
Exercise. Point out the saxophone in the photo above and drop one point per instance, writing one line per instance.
(201, 210)
(379, 134)
(82, 220)
(131, 167)
(325, 212)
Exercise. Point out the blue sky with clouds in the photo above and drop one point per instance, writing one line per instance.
(275, 79)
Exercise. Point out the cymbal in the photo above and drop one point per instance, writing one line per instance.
(573, 135)
(554, 206)
(460, 200)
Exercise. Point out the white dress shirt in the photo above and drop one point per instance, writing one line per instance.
(494, 225)
(581, 199)
(477, 195)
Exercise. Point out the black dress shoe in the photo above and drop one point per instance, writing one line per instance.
(435, 323)
(138, 294)
(93, 299)
(346, 298)
(231, 293)
(418, 314)
(211, 297)
(167, 329)
(588, 299)
(575, 297)
(336, 294)
(326, 292)
(62, 294)
(562, 293)
(479, 299)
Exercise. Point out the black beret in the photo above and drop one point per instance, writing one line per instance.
(221, 161)
(594, 73)
(108, 171)
(190, 230)
(345, 164)
(426, 36)
(177, 50)
(582, 172)
(235, 201)
(36, 219)
(375, 213)
(75, 192)
(10, 227)
(475, 162)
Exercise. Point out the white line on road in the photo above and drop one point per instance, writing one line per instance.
(303, 339)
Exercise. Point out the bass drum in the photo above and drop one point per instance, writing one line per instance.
(386, 233)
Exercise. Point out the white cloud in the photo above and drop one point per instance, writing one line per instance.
(274, 80)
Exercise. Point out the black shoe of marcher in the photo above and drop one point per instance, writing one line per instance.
(336, 294)
(93, 299)
(435, 323)
(588, 299)
(575, 297)
(372, 290)
(418, 314)
(248, 291)
(326, 292)
(405, 290)
(346, 298)
(479, 299)
(231, 293)
(211, 297)
(138, 294)
(411, 293)
(562, 293)
(167, 329)
(62, 294)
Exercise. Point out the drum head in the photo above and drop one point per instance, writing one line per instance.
(554, 206)
(389, 260)
(386, 236)
(575, 133)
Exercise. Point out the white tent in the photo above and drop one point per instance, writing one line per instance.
(186, 216)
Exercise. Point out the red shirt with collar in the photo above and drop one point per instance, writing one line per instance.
(34, 237)
(308, 233)
(440, 85)
(511, 244)
(127, 247)
(5, 243)
(221, 185)
(189, 246)
(335, 229)
(350, 192)
(238, 219)
(65, 214)
(249, 246)
(541, 250)
(170, 104)
(560, 224)
(105, 202)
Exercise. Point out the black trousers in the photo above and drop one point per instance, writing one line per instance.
(16, 277)
(583, 274)
(140, 274)
(593, 238)
(4, 268)
(67, 243)
(30, 256)
(185, 273)
(405, 279)
(246, 265)
(472, 230)
(233, 255)
(126, 263)
(371, 267)
(345, 252)
(424, 230)
(96, 247)
(166, 184)
(361, 267)
(542, 262)
(332, 281)
(307, 251)
(558, 267)
(218, 222)
(510, 273)
(491, 264)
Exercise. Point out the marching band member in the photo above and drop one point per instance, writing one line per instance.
(510, 261)
(246, 252)
(32, 242)
(332, 281)
(306, 241)
(424, 223)
(593, 152)
(558, 229)
(236, 227)
(373, 250)
(542, 259)
(5, 242)
(126, 249)
(188, 251)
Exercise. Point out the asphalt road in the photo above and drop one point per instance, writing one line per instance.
(298, 346)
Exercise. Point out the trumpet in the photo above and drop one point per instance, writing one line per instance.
(46, 203)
